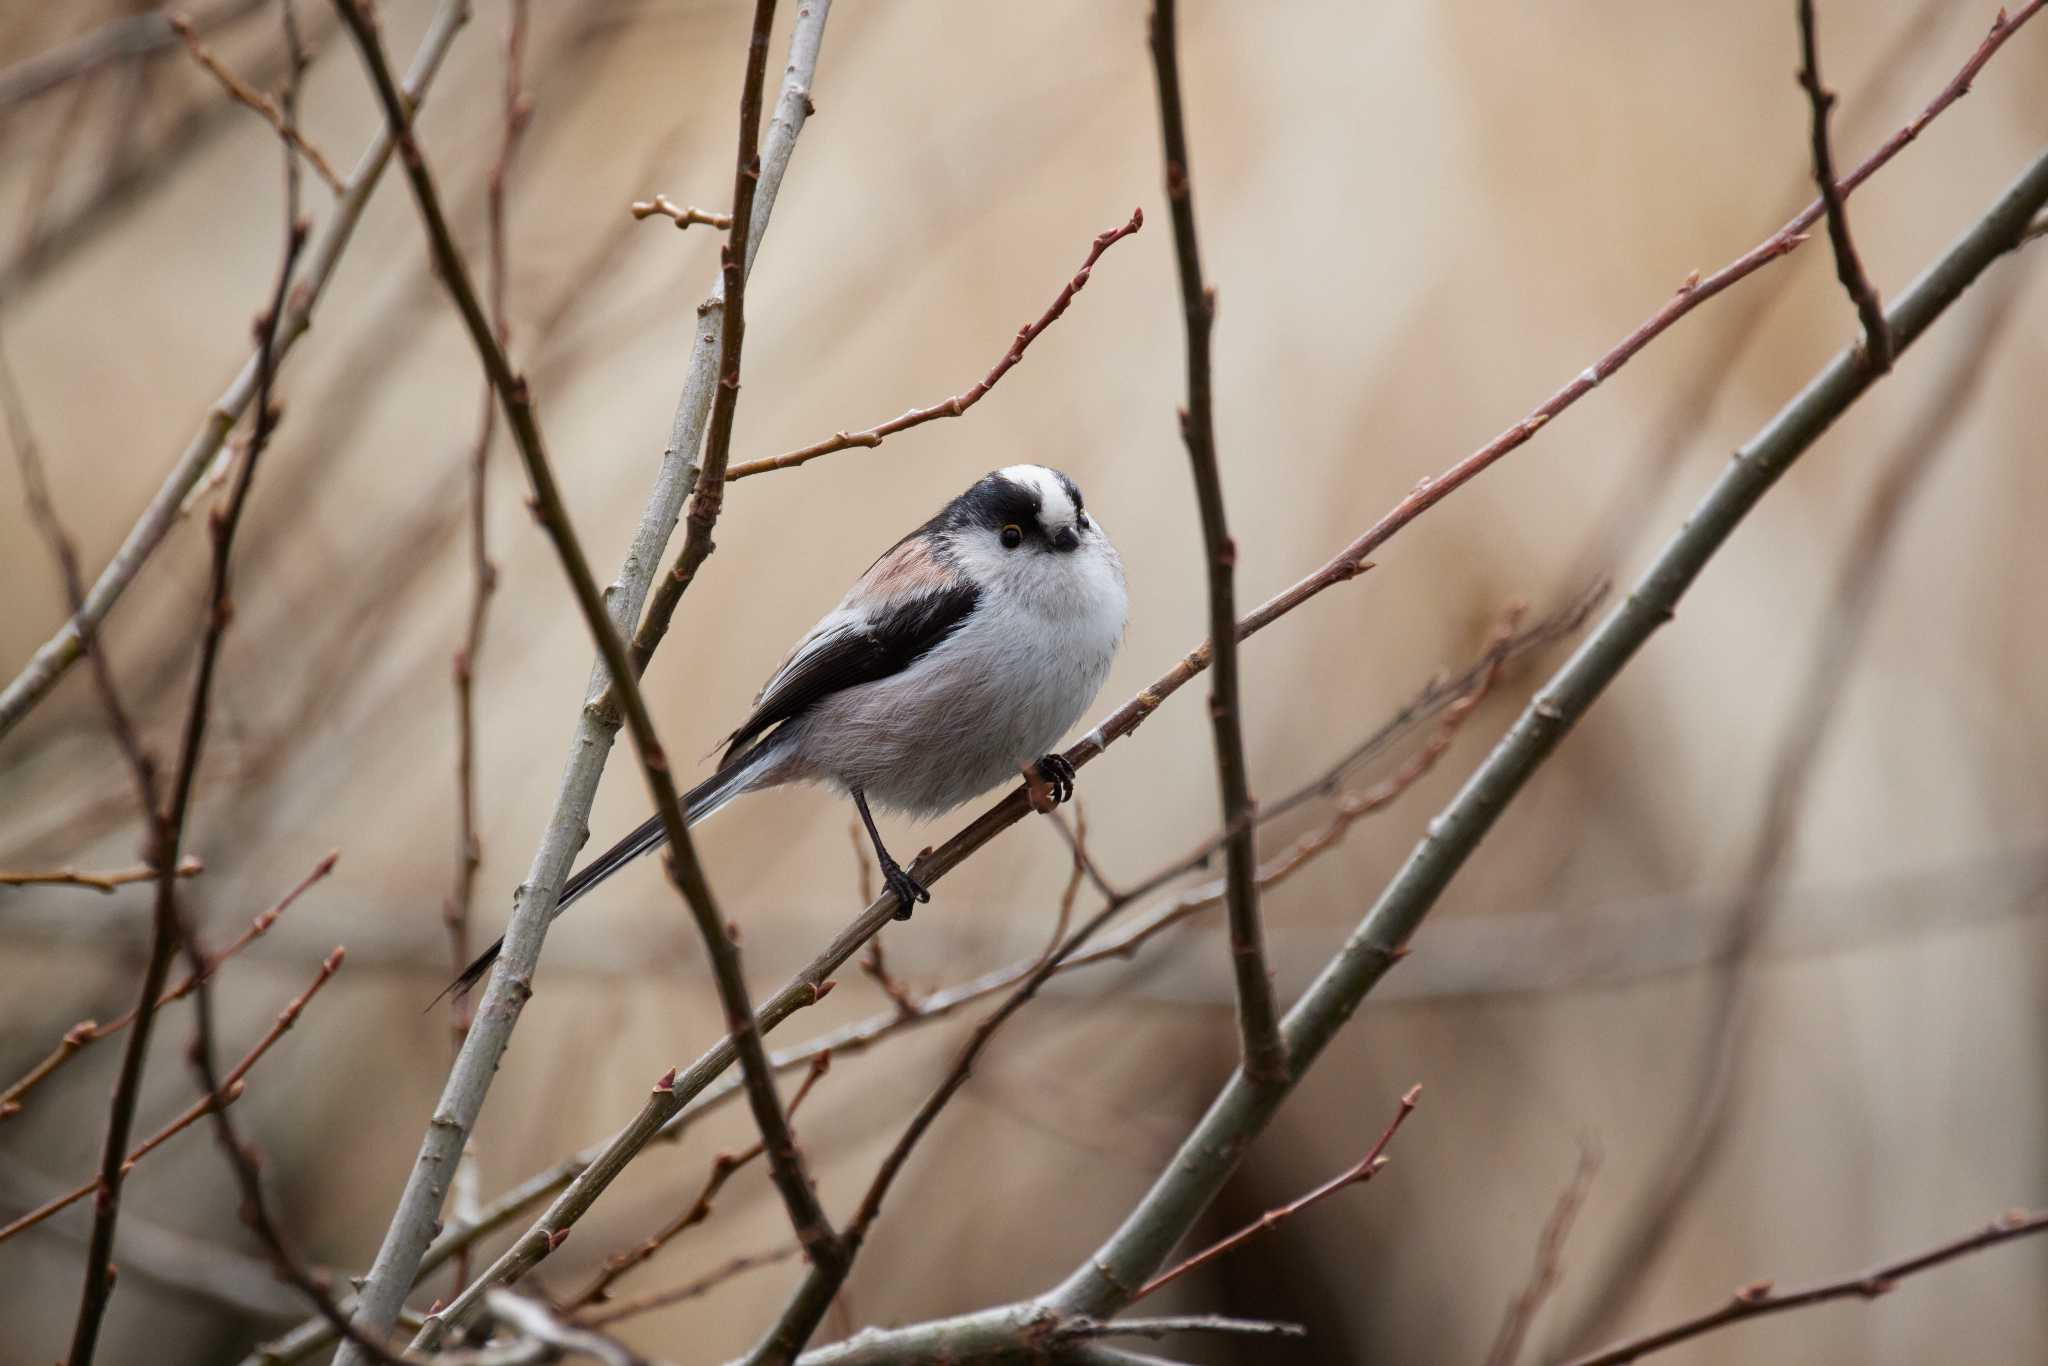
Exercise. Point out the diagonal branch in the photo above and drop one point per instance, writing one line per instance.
(1756, 1300)
(1877, 337)
(1358, 1174)
(1257, 1017)
(951, 407)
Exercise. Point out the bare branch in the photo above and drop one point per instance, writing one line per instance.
(1877, 339)
(960, 402)
(1257, 1017)
(1549, 1268)
(228, 1089)
(188, 866)
(1758, 1299)
(121, 40)
(87, 1032)
(1366, 1168)
(239, 91)
(690, 1290)
(661, 206)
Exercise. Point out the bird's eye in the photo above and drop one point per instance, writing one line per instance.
(1082, 521)
(1013, 536)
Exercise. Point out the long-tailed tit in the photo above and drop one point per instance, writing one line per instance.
(963, 654)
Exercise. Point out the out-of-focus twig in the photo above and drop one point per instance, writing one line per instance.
(242, 93)
(689, 1290)
(188, 866)
(87, 1032)
(62, 650)
(1760, 1298)
(120, 40)
(1549, 1267)
(229, 1090)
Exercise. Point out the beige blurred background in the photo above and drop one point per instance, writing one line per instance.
(1421, 219)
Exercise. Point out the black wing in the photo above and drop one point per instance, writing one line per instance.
(845, 651)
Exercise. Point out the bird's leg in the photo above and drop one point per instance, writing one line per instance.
(1058, 775)
(909, 891)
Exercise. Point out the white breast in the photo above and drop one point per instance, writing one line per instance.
(996, 694)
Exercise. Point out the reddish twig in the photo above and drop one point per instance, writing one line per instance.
(689, 1290)
(1258, 1017)
(1877, 333)
(228, 1090)
(1549, 1267)
(960, 402)
(722, 1168)
(188, 866)
(87, 1032)
(518, 110)
(241, 92)
(661, 206)
(1758, 1299)
(1366, 1168)
(800, 1317)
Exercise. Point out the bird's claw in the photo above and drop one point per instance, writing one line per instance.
(1059, 776)
(909, 891)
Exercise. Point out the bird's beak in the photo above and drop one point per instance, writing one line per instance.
(1066, 539)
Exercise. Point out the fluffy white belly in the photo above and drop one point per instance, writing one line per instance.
(994, 696)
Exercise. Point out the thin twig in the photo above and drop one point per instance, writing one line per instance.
(708, 499)
(1363, 1171)
(1549, 1267)
(188, 866)
(88, 1032)
(689, 1290)
(240, 91)
(1257, 1015)
(1758, 1299)
(1877, 337)
(661, 206)
(807, 1306)
(723, 1166)
(126, 39)
(227, 1090)
(966, 398)
(517, 112)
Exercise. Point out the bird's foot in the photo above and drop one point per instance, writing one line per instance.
(909, 891)
(1058, 776)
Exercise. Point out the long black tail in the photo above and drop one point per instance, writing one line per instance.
(698, 803)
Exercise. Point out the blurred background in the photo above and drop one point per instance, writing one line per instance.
(1801, 1034)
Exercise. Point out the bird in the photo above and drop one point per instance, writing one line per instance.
(956, 660)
